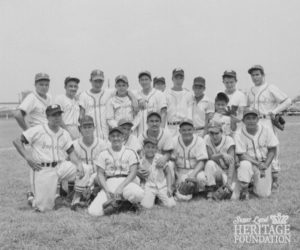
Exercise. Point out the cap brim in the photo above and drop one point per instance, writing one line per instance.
(74, 79)
(185, 123)
(98, 78)
(55, 112)
(129, 123)
(178, 74)
(43, 78)
(250, 113)
(115, 130)
(199, 83)
(215, 130)
(144, 74)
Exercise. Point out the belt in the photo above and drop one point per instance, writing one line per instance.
(117, 176)
(173, 123)
(49, 164)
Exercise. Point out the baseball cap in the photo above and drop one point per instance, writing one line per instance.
(115, 129)
(186, 122)
(121, 78)
(221, 96)
(229, 73)
(256, 67)
(41, 76)
(53, 109)
(248, 111)
(124, 121)
(97, 74)
(150, 140)
(70, 78)
(86, 120)
(178, 71)
(214, 126)
(159, 79)
(199, 80)
(143, 73)
(153, 113)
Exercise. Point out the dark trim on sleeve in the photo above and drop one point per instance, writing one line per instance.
(70, 149)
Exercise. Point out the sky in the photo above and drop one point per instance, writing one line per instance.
(73, 37)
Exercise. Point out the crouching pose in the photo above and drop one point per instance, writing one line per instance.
(220, 169)
(256, 148)
(159, 180)
(49, 147)
(189, 157)
(116, 168)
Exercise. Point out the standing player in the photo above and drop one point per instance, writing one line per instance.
(159, 83)
(178, 100)
(202, 106)
(117, 168)
(152, 100)
(256, 147)
(70, 106)
(269, 101)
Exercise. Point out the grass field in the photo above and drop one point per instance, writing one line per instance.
(195, 225)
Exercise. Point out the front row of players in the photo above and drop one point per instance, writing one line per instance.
(153, 171)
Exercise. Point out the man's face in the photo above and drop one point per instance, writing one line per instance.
(145, 82)
(150, 150)
(87, 130)
(178, 80)
(257, 77)
(42, 87)
(220, 106)
(198, 90)
(71, 88)
(230, 84)
(160, 86)
(186, 132)
(121, 87)
(116, 138)
(97, 84)
(153, 123)
(216, 137)
(126, 129)
(55, 119)
(250, 121)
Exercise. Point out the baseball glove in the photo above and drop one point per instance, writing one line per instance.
(117, 205)
(189, 186)
(278, 121)
(222, 193)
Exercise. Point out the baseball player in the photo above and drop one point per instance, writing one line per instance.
(256, 147)
(179, 102)
(189, 156)
(202, 107)
(117, 168)
(50, 145)
(220, 168)
(120, 106)
(159, 83)
(159, 180)
(269, 101)
(151, 100)
(70, 106)
(31, 112)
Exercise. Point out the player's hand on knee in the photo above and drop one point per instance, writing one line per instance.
(228, 159)
(161, 162)
(118, 193)
(170, 192)
(144, 173)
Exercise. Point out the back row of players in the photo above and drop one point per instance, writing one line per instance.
(170, 122)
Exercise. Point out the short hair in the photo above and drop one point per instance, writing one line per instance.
(221, 96)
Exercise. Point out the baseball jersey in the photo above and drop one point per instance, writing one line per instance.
(200, 109)
(187, 157)
(239, 99)
(117, 163)
(48, 146)
(35, 108)
(225, 121)
(179, 103)
(255, 145)
(89, 154)
(155, 101)
(71, 109)
(164, 140)
(265, 98)
(94, 105)
(133, 143)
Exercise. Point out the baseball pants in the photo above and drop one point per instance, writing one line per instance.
(262, 186)
(132, 192)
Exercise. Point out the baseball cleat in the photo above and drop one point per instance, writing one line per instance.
(30, 197)
(60, 202)
(244, 196)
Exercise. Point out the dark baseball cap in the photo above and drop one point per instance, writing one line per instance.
(199, 80)
(41, 76)
(70, 78)
(221, 96)
(159, 79)
(153, 113)
(150, 140)
(115, 129)
(145, 73)
(53, 109)
(122, 78)
(97, 74)
(86, 120)
(124, 121)
(229, 73)
(248, 111)
(178, 71)
(256, 67)
(186, 122)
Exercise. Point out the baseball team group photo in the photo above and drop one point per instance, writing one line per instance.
(164, 160)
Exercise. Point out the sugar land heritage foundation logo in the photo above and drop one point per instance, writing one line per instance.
(271, 229)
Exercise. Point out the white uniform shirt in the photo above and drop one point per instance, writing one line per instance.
(200, 109)
(35, 108)
(186, 157)
(94, 106)
(117, 163)
(255, 145)
(71, 109)
(133, 143)
(237, 98)
(225, 121)
(46, 145)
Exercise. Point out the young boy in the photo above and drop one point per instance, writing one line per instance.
(159, 181)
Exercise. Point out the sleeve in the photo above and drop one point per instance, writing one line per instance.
(81, 100)
(30, 134)
(133, 157)
(240, 146)
(210, 107)
(68, 141)
(200, 150)
(277, 93)
(162, 101)
(100, 161)
(28, 104)
(168, 143)
(243, 100)
(272, 139)
(110, 114)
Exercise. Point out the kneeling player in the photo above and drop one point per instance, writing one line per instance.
(159, 180)
(256, 148)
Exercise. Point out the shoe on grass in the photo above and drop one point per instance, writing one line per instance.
(30, 197)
